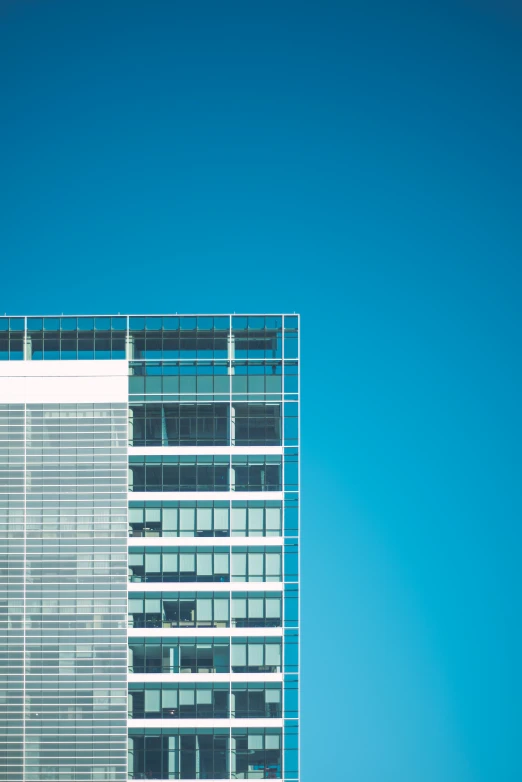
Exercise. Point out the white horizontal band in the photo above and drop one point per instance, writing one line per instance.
(205, 450)
(235, 541)
(206, 586)
(203, 632)
(114, 367)
(143, 496)
(202, 723)
(64, 381)
(205, 677)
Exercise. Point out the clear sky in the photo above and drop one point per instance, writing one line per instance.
(358, 162)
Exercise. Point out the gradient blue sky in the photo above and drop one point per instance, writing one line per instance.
(358, 162)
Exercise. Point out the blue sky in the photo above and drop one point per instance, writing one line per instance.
(358, 162)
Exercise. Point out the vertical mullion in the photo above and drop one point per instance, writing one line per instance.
(283, 574)
(230, 376)
(24, 596)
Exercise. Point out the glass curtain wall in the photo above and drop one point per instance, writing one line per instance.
(216, 383)
(206, 449)
(75, 592)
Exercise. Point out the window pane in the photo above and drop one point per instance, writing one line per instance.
(152, 700)
(221, 610)
(273, 654)
(273, 518)
(204, 609)
(204, 565)
(239, 520)
(255, 654)
(255, 520)
(170, 563)
(170, 519)
(136, 515)
(255, 564)
(169, 699)
(239, 564)
(221, 518)
(220, 563)
(204, 696)
(186, 697)
(239, 608)
(273, 608)
(239, 655)
(273, 384)
(187, 563)
(204, 519)
(255, 607)
(273, 564)
(152, 563)
(186, 519)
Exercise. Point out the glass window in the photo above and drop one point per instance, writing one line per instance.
(204, 564)
(186, 697)
(239, 564)
(272, 741)
(273, 654)
(136, 515)
(255, 741)
(221, 518)
(152, 700)
(273, 607)
(255, 564)
(273, 519)
(255, 607)
(239, 606)
(220, 563)
(221, 609)
(204, 516)
(170, 699)
(204, 695)
(273, 384)
(273, 564)
(186, 519)
(239, 655)
(204, 609)
(187, 563)
(239, 520)
(255, 521)
(255, 654)
(152, 563)
(170, 519)
(170, 563)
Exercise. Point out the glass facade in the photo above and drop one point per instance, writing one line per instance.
(64, 484)
(150, 548)
(12, 531)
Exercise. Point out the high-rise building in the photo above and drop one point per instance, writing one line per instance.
(149, 532)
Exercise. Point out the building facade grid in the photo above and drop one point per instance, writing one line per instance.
(150, 552)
